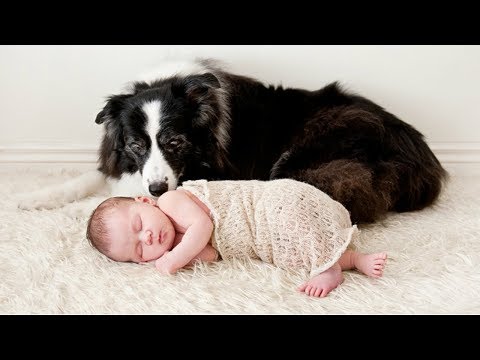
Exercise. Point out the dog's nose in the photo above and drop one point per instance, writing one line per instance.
(158, 188)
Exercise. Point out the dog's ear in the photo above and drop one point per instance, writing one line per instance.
(112, 109)
(195, 87)
(111, 148)
(205, 81)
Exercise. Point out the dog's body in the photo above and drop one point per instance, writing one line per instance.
(209, 123)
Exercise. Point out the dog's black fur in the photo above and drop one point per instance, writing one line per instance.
(218, 125)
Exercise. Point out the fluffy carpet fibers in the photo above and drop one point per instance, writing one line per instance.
(47, 266)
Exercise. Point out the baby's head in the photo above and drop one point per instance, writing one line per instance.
(99, 224)
(130, 229)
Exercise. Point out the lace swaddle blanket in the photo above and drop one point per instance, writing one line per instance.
(288, 223)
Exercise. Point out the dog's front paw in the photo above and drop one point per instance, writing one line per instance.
(35, 200)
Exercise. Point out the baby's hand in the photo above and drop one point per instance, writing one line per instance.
(164, 265)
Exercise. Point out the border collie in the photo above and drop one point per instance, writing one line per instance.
(203, 122)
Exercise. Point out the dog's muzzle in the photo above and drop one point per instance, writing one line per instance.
(158, 188)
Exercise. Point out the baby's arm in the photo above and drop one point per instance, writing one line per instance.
(207, 254)
(186, 214)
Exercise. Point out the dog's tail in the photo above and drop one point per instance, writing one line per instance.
(55, 196)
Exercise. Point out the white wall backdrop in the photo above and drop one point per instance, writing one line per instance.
(50, 95)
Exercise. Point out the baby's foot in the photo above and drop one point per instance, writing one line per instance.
(322, 284)
(371, 264)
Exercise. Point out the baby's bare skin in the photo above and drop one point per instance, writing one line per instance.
(369, 264)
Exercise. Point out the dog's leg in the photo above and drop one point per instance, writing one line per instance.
(58, 195)
(128, 185)
(367, 195)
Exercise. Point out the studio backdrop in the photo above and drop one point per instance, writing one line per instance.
(50, 95)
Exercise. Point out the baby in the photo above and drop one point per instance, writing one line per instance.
(284, 222)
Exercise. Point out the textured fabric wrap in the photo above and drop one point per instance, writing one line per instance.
(288, 223)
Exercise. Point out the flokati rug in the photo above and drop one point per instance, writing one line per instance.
(47, 266)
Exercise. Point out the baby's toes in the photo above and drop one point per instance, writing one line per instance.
(377, 273)
(379, 262)
(382, 256)
(308, 289)
(315, 291)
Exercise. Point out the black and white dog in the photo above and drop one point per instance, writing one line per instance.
(204, 122)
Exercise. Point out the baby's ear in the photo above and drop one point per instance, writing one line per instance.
(145, 199)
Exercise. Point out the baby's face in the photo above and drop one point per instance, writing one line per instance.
(139, 232)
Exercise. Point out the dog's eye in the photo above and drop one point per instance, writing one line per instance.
(174, 143)
(137, 148)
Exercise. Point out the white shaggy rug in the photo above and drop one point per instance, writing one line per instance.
(47, 266)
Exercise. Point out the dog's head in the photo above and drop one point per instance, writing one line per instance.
(169, 130)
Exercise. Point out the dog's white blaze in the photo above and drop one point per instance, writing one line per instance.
(156, 167)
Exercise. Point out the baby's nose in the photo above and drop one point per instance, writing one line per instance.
(147, 237)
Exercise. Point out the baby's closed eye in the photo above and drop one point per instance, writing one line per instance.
(139, 251)
(138, 223)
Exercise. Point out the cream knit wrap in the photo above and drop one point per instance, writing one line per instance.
(288, 223)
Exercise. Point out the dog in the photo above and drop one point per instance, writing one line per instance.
(204, 122)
